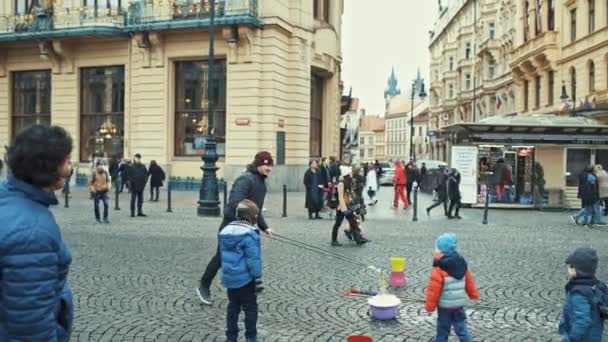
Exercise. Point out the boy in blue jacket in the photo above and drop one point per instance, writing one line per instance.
(581, 320)
(240, 250)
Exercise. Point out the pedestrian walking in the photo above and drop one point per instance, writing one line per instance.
(240, 248)
(454, 194)
(450, 284)
(358, 187)
(441, 193)
(123, 166)
(250, 185)
(371, 185)
(499, 177)
(114, 174)
(100, 186)
(346, 210)
(314, 190)
(582, 317)
(66, 186)
(590, 197)
(138, 177)
(157, 177)
(36, 300)
(423, 172)
(602, 179)
(412, 177)
(399, 184)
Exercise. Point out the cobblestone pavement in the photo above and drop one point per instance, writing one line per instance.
(134, 280)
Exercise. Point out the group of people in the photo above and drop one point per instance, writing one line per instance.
(135, 174)
(593, 192)
(447, 190)
(37, 304)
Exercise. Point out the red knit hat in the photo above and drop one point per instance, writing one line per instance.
(263, 158)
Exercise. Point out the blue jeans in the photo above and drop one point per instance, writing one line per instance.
(242, 298)
(448, 318)
(585, 215)
(101, 196)
(597, 213)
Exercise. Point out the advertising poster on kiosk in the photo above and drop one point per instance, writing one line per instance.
(464, 159)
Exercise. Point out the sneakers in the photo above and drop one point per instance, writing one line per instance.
(204, 294)
(573, 219)
(458, 217)
(336, 244)
(142, 215)
(601, 224)
(106, 221)
(98, 221)
(348, 234)
(428, 212)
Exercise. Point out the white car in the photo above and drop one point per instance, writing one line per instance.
(387, 176)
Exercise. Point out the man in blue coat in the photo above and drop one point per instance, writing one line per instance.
(35, 299)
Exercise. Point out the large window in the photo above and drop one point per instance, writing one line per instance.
(537, 92)
(317, 87)
(31, 99)
(467, 51)
(102, 8)
(573, 84)
(591, 14)
(591, 76)
(550, 86)
(27, 6)
(573, 25)
(320, 10)
(192, 107)
(551, 15)
(102, 112)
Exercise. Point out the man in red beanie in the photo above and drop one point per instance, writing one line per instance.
(251, 185)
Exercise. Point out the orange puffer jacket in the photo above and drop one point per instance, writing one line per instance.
(450, 284)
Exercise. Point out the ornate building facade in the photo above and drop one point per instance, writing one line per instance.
(130, 76)
(470, 74)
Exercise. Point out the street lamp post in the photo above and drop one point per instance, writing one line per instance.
(208, 197)
(421, 95)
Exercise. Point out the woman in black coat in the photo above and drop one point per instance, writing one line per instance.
(157, 177)
(314, 193)
(454, 193)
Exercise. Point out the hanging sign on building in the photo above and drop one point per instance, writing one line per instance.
(243, 122)
(464, 159)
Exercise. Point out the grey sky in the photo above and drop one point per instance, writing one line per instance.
(379, 34)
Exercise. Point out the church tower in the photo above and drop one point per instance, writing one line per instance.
(392, 89)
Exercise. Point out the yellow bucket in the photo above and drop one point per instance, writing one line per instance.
(397, 264)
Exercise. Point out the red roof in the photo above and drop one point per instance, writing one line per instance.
(371, 124)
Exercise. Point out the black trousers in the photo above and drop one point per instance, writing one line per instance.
(139, 196)
(152, 189)
(455, 203)
(244, 299)
(438, 203)
(408, 189)
(214, 264)
(340, 216)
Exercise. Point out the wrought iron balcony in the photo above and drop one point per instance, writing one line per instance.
(142, 15)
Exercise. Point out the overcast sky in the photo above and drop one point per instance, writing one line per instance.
(379, 34)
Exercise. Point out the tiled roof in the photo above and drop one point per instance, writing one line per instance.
(371, 124)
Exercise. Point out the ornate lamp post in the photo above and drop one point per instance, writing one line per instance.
(208, 197)
(421, 95)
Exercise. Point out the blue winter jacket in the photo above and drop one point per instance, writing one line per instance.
(241, 254)
(35, 299)
(580, 322)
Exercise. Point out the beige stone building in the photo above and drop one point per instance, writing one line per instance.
(397, 122)
(371, 139)
(470, 49)
(130, 76)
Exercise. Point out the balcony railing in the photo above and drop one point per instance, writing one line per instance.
(142, 15)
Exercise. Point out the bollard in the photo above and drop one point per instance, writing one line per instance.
(116, 197)
(486, 206)
(284, 200)
(415, 218)
(67, 199)
(169, 210)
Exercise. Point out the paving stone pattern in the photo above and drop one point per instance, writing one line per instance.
(134, 280)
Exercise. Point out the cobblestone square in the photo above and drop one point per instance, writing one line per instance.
(134, 280)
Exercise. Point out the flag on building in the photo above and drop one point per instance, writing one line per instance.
(498, 102)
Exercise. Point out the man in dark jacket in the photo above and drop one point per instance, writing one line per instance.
(442, 193)
(454, 193)
(35, 299)
(250, 185)
(412, 176)
(334, 169)
(138, 177)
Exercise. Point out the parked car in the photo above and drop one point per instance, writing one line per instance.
(387, 176)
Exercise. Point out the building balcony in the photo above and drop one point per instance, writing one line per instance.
(142, 15)
(542, 44)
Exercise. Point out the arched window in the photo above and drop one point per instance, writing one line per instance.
(591, 76)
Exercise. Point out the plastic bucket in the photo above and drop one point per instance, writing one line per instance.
(359, 338)
(397, 264)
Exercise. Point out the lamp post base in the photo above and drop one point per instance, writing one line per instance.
(209, 199)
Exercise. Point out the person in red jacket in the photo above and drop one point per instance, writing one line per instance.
(450, 284)
(400, 182)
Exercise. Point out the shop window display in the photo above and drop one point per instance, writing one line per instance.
(511, 180)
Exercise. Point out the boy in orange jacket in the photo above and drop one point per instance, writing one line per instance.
(450, 284)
